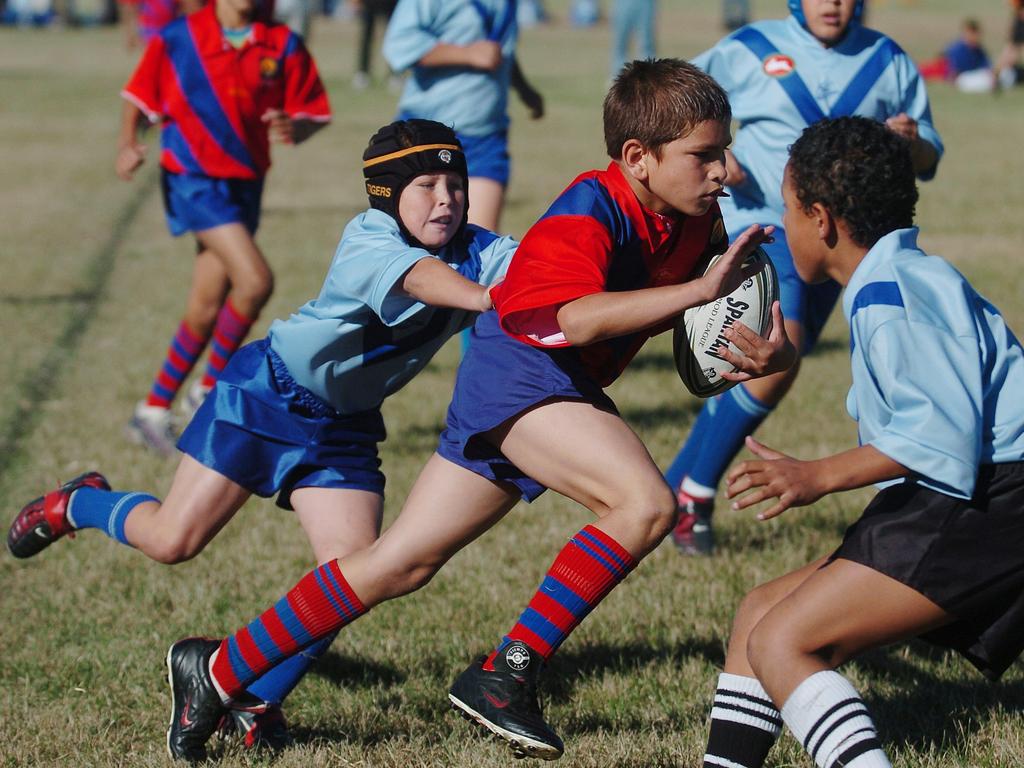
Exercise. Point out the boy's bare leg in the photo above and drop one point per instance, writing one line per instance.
(447, 508)
(251, 280)
(199, 503)
(595, 459)
(754, 607)
(486, 198)
(338, 521)
(816, 618)
(206, 294)
(834, 614)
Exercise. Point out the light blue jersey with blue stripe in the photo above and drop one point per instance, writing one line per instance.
(780, 79)
(472, 102)
(938, 378)
(363, 338)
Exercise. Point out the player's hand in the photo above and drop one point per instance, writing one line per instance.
(280, 127)
(773, 476)
(129, 158)
(903, 125)
(728, 272)
(484, 55)
(735, 174)
(760, 356)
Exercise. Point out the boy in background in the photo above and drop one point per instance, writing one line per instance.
(222, 85)
(463, 60)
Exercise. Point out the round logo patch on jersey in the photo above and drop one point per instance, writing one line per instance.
(445, 155)
(268, 68)
(778, 65)
(517, 656)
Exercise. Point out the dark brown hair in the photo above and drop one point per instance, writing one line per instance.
(660, 100)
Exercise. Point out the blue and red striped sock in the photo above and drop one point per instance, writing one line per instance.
(185, 349)
(228, 333)
(319, 605)
(585, 571)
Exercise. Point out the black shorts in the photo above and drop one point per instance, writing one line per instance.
(965, 556)
(1017, 31)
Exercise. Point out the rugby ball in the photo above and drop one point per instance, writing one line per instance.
(697, 343)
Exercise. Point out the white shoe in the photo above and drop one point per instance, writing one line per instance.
(151, 427)
(360, 81)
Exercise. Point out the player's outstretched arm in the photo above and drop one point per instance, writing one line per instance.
(484, 55)
(760, 356)
(608, 314)
(435, 283)
(796, 483)
(529, 95)
(131, 153)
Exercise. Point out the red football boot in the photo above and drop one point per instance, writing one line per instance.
(44, 520)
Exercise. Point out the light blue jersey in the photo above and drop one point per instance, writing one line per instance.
(474, 103)
(938, 378)
(780, 79)
(363, 338)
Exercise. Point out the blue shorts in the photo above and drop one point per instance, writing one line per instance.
(193, 203)
(500, 378)
(270, 435)
(487, 156)
(809, 305)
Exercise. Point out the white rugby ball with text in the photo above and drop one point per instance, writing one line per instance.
(698, 341)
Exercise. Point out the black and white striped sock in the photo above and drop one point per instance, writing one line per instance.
(826, 714)
(744, 724)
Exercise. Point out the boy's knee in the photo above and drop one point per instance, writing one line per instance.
(658, 511)
(174, 549)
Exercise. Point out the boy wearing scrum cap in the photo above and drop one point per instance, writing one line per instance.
(297, 414)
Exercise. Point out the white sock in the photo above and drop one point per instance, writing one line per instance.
(696, 490)
(826, 714)
(225, 699)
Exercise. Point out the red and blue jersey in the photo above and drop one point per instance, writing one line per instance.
(596, 237)
(210, 97)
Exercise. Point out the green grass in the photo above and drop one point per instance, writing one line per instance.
(91, 287)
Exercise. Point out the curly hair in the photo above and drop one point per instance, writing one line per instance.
(860, 171)
(657, 101)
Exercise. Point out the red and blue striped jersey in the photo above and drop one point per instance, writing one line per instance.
(209, 97)
(598, 237)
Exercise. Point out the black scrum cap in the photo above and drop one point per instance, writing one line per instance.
(403, 150)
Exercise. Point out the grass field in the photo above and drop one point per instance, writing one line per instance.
(91, 287)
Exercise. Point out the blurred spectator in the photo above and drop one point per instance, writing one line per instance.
(369, 11)
(141, 20)
(584, 13)
(296, 14)
(735, 14)
(531, 13)
(964, 62)
(632, 19)
(1007, 69)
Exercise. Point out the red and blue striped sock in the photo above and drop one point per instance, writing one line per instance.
(585, 571)
(185, 349)
(320, 604)
(228, 333)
